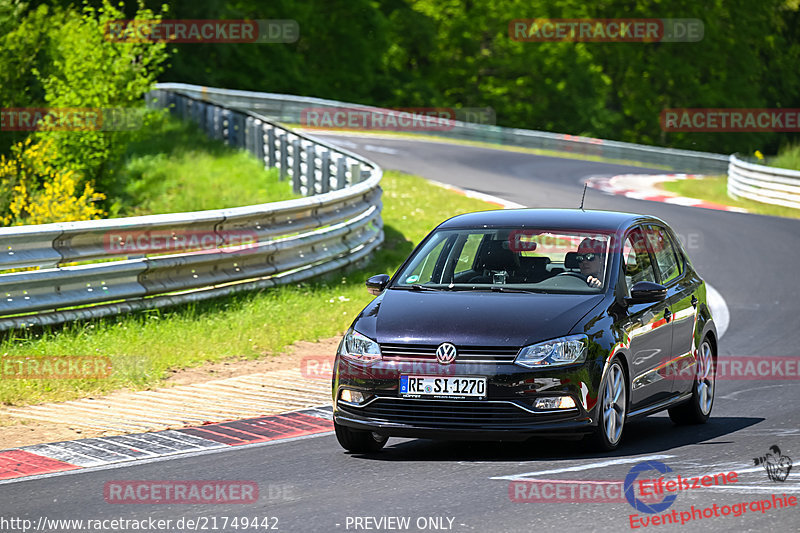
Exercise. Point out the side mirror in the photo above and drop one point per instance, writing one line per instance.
(377, 283)
(645, 292)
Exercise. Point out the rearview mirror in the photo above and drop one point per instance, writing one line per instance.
(377, 283)
(644, 292)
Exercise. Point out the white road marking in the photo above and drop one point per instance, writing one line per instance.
(719, 309)
(380, 149)
(507, 204)
(344, 144)
(733, 395)
(579, 468)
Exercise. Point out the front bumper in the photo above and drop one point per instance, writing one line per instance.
(434, 419)
(507, 412)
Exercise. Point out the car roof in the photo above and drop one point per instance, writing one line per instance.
(556, 219)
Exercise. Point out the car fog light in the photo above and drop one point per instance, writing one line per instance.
(555, 402)
(351, 396)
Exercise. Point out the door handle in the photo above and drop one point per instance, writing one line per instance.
(694, 301)
(667, 314)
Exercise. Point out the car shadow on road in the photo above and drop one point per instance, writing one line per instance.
(650, 435)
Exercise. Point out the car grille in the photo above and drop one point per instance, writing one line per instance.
(443, 413)
(466, 354)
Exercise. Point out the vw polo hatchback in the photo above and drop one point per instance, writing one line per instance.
(512, 324)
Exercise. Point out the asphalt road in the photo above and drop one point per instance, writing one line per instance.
(311, 485)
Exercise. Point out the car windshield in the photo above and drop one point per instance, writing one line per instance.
(509, 260)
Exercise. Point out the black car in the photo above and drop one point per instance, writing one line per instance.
(511, 324)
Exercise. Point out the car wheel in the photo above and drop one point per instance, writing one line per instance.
(698, 408)
(613, 409)
(356, 441)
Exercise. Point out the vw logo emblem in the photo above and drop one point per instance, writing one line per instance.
(446, 353)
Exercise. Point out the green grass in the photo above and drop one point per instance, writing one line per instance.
(178, 168)
(144, 347)
(715, 189)
(789, 158)
(495, 146)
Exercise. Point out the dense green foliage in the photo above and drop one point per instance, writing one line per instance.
(788, 158)
(409, 53)
(458, 53)
(56, 57)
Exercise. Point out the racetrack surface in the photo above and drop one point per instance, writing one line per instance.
(309, 484)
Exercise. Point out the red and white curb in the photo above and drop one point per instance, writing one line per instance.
(643, 187)
(43, 459)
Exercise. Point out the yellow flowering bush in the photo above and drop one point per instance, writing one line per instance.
(34, 191)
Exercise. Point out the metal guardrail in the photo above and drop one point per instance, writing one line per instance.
(337, 224)
(288, 108)
(771, 185)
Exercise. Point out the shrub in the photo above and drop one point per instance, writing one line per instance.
(36, 191)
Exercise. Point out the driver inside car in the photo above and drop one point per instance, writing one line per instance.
(591, 260)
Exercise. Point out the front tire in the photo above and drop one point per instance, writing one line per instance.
(613, 408)
(357, 441)
(698, 408)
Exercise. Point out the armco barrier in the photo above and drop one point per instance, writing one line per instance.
(288, 108)
(337, 224)
(765, 184)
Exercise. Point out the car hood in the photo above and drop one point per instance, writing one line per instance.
(472, 318)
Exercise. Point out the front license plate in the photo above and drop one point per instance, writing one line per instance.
(441, 387)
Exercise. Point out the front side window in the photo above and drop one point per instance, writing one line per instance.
(636, 260)
(510, 259)
(666, 257)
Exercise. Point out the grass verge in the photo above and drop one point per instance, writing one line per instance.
(715, 189)
(178, 168)
(789, 158)
(145, 347)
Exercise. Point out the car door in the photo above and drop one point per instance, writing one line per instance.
(649, 331)
(681, 288)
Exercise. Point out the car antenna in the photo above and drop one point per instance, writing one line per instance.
(584, 194)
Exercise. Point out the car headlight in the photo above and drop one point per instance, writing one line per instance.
(556, 352)
(357, 346)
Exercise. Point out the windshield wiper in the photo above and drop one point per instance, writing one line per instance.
(417, 287)
(498, 288)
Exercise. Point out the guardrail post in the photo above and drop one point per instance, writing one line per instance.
(284, 156)
(355, 173)
(311, 170)
(341, 172)
(325, 185)
(297, 180)
(270, 148)
(219, 130)
(237, 131)
(249, 134)
(227, 127)
(257, 134)
(208, 123)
